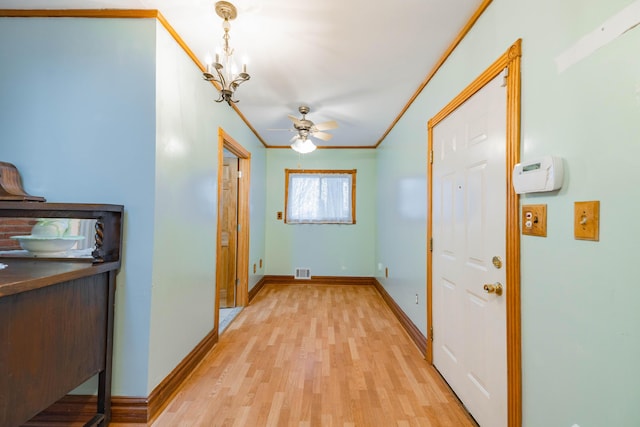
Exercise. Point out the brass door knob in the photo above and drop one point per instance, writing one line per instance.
(495, 288)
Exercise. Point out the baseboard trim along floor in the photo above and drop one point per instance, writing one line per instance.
(73, 408)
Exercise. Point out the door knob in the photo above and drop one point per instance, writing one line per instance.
(495, 288)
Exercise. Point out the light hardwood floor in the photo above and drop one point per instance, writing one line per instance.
(314, 355)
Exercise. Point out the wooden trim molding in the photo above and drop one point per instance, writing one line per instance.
(80, 408)
(79, 13)
(317, 280)
(163, 392)
(461, 35)
(202, 68)
(154, 13)
(129, 409)
(514, 333)
(123, 13)
(327, 147)
(511, 61)
(244, 185)
(73, 409)
(76, 409)
(256, 289)
(412, 330)
(351, 172)
(429, 352)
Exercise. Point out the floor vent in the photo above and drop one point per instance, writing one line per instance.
(302, 273)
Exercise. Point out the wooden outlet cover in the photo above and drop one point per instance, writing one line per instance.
(534, 220)
(586, 220)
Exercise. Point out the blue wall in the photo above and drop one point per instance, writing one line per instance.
(186, 206)
(113, 111)
(81, 95)
(326, 249)
(78, 121)
(579, 299)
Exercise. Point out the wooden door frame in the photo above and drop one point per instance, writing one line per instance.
(244, 184)
(511, 61)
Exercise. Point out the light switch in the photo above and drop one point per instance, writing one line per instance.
(586, 220)
(534, 220)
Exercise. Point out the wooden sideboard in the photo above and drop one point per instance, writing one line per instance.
(56, 317)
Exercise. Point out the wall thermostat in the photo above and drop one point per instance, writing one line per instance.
(543, 174)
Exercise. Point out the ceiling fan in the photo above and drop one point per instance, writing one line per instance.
(305, 128)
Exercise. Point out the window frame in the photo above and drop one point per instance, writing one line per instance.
(352, 172)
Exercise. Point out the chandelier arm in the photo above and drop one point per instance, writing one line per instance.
(238, 81)
(222, 80)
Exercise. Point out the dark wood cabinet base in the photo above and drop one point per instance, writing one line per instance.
(56, 321)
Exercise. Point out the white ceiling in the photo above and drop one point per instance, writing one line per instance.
(357, 62)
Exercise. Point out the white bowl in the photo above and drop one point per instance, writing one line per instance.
(47, 246)
(50, 227)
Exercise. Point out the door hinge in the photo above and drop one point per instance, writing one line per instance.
(431, 244)
(238, 227)
(239, 174)
(431, 333)
(431, 157)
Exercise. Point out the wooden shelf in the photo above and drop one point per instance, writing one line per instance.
(108, 221)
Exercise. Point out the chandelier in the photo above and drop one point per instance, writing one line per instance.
(223, 71)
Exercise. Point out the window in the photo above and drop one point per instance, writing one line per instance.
(320, 196)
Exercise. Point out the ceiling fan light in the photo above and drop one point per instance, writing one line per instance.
(303, 147)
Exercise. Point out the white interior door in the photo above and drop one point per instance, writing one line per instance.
(469, 215)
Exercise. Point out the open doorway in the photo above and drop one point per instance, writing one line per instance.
(232, 259)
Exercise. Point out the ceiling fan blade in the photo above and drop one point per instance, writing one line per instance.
(288, 130)
(331, 124)
(294, 119)
(322, 135)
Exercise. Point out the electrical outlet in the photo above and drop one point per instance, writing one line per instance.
(386, 272)
(416, 298)
(254, 269)
(279, 216)
(534, 220)
(586, 220)
(260, 262)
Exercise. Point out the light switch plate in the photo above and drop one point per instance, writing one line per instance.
(534, 220)
(586, 220)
